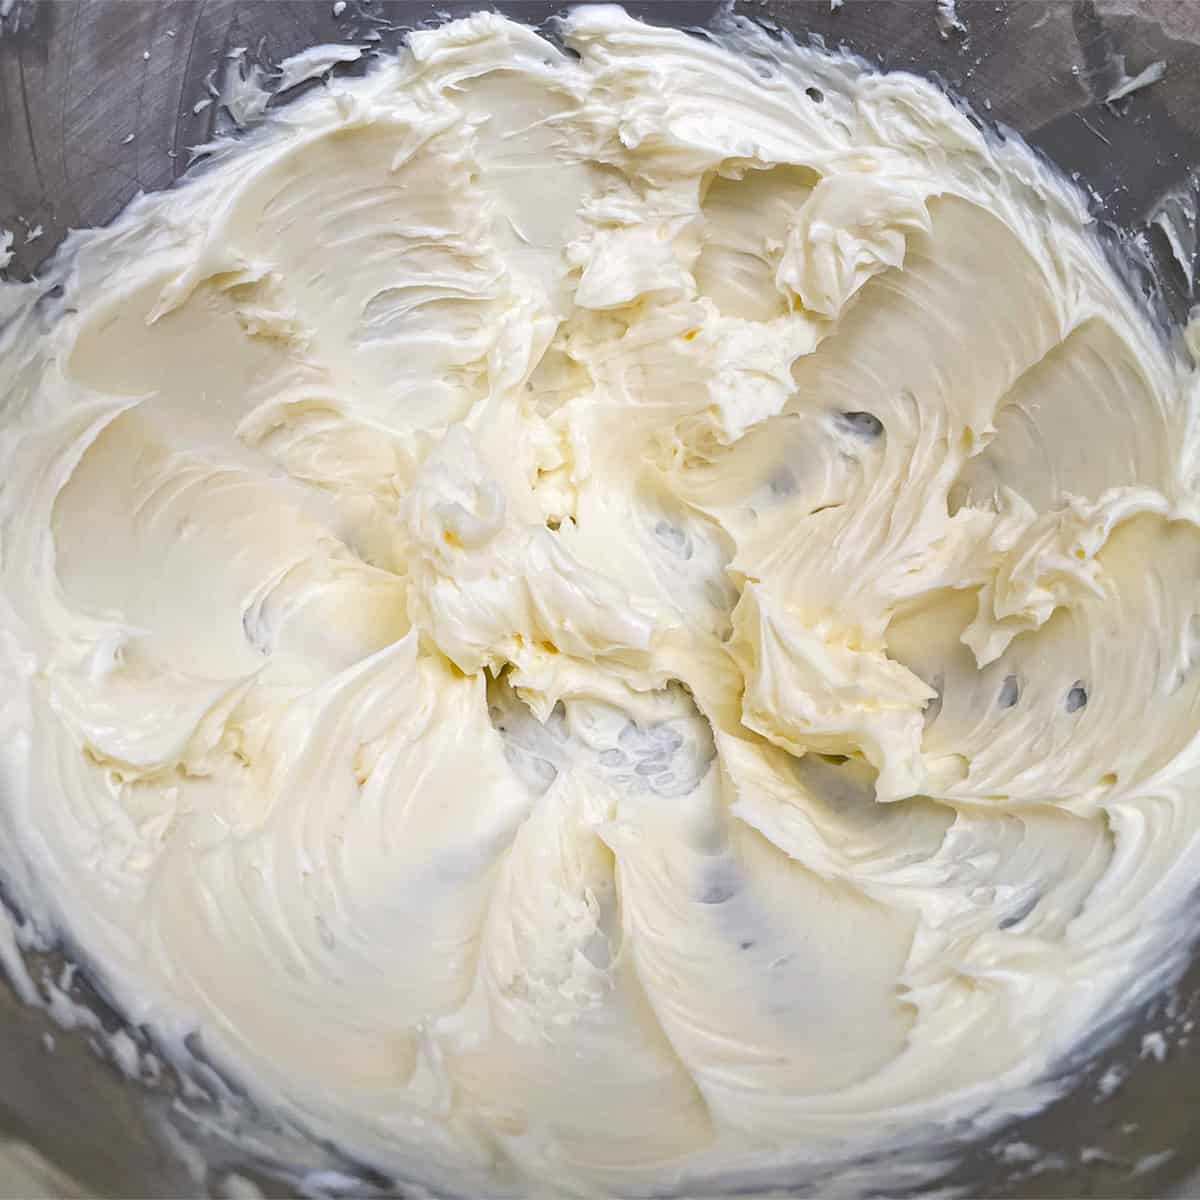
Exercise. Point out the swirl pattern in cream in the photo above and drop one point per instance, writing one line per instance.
(594, 619)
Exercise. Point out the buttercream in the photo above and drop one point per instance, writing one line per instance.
(605, 615)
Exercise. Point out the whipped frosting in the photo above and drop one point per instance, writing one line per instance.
(603, 616)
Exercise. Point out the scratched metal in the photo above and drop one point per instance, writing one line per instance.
(97, 102)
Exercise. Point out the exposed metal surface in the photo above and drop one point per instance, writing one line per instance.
(100, 99)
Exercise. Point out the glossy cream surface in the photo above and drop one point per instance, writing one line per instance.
(596, 621)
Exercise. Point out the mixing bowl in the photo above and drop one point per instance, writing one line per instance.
(100, 99)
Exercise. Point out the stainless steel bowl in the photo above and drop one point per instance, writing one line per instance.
(101, 99)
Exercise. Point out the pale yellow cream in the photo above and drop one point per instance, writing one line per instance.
(594, 622)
